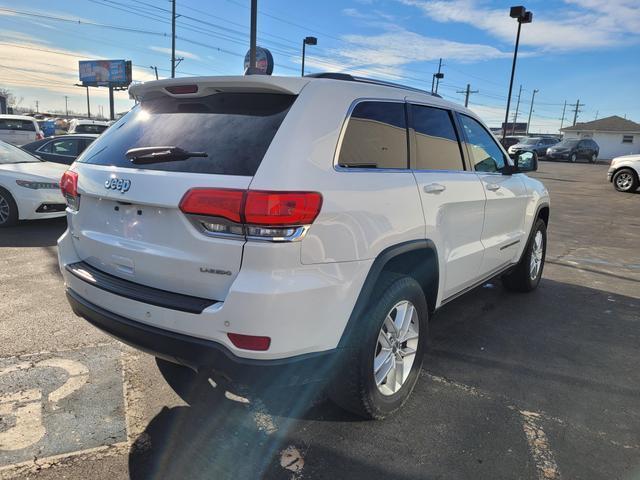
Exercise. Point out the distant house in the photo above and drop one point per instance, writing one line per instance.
(615, 135)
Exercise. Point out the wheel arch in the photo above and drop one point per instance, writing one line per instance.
(625, 167)
(416, 258)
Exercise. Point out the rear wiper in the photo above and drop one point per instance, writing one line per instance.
(147, 155)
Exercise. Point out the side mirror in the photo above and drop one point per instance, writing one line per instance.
(525, 161)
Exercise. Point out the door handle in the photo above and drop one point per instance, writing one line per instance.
(493, 187)
(434, 188)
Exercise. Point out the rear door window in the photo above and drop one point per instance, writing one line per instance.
(18, 125)
(437, 146)
(375, 137)
(67, 147)
(234, 129)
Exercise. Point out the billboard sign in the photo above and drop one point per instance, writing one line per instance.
(264, 62)
(520, 127)
(105, 73)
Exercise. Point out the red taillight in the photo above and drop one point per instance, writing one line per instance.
(69, 188)
(277, 216)
(282, 208)
(182, 89)
(214, 202)
(249, 342)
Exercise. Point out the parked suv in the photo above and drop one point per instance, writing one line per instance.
(574, 149)
(534, 144)
(295, 231)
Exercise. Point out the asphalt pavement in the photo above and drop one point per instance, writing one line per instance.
(534, 386)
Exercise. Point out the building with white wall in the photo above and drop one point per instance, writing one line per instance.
(615, 135)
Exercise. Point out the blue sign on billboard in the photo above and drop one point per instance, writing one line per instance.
(114, 73)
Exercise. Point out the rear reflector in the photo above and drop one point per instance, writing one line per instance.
(250, 342)
(69, 188)
(282, 208)
(214, 202)
(182, 89)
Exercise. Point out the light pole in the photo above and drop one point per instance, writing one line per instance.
(155, 69)
(533, 96)
(305, 42)
(523, 16)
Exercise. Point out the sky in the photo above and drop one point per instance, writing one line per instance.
(586, 50)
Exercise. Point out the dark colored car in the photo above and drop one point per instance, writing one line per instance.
(61, 149)
(539, 145)
(574, 149)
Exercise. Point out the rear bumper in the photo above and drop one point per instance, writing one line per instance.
(205, 354)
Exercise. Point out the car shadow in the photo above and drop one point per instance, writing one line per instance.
(565, 349)
(33, 233)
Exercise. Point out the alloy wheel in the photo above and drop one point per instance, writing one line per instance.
(623, 182)
(536, 256)
(396, 348)
(4, 210)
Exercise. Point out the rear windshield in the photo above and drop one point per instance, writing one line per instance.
(11, 124)
(10, 154)
(90, 128)
(234, 129)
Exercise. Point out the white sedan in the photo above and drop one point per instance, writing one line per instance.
(29, 187)
(624, 173)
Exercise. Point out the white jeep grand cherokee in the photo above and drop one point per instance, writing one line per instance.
(291, 231)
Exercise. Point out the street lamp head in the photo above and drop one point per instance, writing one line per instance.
(527, 18)
(517, 12)
(311, 41)
(439, 75)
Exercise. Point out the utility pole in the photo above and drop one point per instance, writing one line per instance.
(597, 112)
(37, 111)
(467, 92)
(435, 80)
(155, 69)
(66, 105)
(533, 96)
(576, 110)
(515, 116)
(252, 38)
(173, 39)
(564, 108)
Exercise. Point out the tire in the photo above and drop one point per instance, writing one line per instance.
(355, 388)
(8, 209)
(521, 278)
(573, 158)
(625, 180)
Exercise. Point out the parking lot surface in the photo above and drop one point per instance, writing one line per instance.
(536, 386)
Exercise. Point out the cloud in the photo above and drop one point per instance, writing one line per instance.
(179, 53)
(583, 24)
(391, 49)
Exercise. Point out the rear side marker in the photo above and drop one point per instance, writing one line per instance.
(250, 342)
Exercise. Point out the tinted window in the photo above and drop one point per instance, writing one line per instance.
(568, 143)
(486, 155)
(90, 129)
(234, 129)
(11, 124)
(65, 147)
(437, 145)
(530, 141)
(376, 137)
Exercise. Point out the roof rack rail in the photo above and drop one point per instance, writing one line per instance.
(350, 78)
